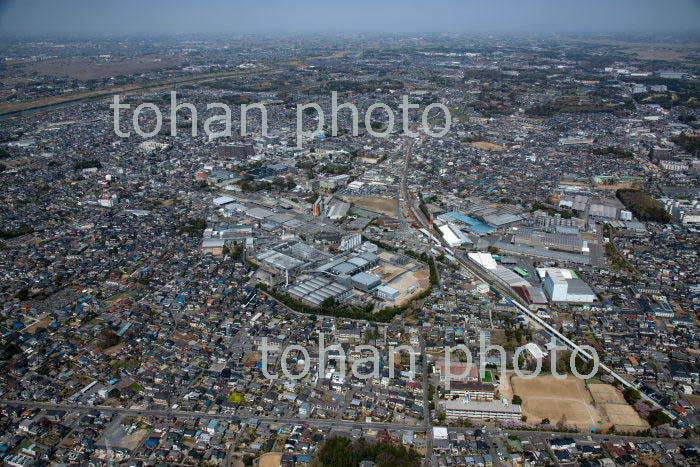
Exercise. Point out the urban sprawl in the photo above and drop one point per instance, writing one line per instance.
(152, 289)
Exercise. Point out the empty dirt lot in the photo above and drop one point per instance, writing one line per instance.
(387, 271)
(271, 459)
(410, 284)
(486, 146)
(386, 206)
(694, 400)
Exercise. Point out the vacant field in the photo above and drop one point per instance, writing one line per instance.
(90, 69)
(624, 417)
(118, 297)
(611, 401)
(694, 401)
(558, 400)
(486, 146)
(651, 51)
(39, 324)
(410, 284)
(386, 256)
(498, 336)
(386, 206)
(271, 459)
(387, 271)
(505, 390)
(251, 357)
(115, 435)
(114, 349)
(423, 274)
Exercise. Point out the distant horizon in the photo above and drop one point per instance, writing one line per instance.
(158, 18)
(653, 37)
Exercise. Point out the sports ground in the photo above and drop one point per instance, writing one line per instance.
(568, 401)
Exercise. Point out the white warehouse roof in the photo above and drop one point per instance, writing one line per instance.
(453, 236)
(485, 260)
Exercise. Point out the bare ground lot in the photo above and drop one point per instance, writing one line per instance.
(694, 400)
(251, 357)
(486, 146)
(558, 400)
(378, 204)
(505, 389)
(410, 284)
(116, 436)
(606, 394)
(39, 324)
(271, 459)
(387, 272)
(423, 274)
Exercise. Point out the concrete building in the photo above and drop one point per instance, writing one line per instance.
(331, 183)
(387, 293)
(365, 281)
(686, 212)
(556, 241)
(214, 246)
(338, 209)
(280, 261)
(472, 390)
(350, 242)
(235, 151)
(494, 410)
(315, 291)
(563, 286)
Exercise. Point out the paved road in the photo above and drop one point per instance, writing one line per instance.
(232, 447)
(427, 416)
(296, 421)
(346, 403)
(207, 416)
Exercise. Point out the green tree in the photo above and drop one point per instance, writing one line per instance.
(108, 338)
(632, 395)
(23, 294)
(658, 417)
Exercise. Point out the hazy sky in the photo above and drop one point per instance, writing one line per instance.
(38, 17)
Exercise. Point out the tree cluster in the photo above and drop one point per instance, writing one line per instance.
(341, 452)
(643, 206)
